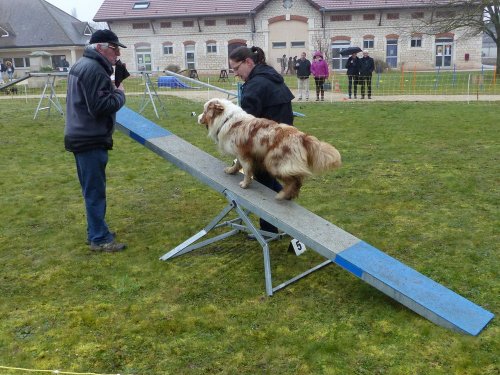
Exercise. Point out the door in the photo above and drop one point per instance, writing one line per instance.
(190, 57)
(444, 52)
(144, 60)
(391, 56)
(231, 47)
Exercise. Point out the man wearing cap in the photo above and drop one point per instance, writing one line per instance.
(91, 105)
(366, 68)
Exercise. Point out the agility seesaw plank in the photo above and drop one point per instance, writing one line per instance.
(400, 282)
(12, 83)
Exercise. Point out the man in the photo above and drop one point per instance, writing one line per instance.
(3, 68)
(366, 68)
(91, 104)
(303, 68)
(284, 63)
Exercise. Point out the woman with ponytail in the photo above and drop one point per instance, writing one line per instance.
(264, 94)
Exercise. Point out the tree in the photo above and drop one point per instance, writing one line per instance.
(473, 16)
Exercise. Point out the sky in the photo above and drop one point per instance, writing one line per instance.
(85, 9)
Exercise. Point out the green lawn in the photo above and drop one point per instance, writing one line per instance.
(420, 181)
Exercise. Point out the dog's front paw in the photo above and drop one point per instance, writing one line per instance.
(244, 184)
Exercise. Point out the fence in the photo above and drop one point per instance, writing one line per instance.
(482, 85)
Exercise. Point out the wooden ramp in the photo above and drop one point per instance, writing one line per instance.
(402, 283)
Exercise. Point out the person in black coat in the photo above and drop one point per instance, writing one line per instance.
(366, 68)
(264, 94)
(303, 68)
(352, 66)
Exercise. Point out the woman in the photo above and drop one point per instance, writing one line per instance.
(264, 94)
(10, 70)
(320, 71)
(352, 66)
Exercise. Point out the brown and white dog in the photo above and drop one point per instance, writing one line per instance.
(260, 144)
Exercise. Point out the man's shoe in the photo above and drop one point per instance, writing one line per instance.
(112, 233)
(108, 247)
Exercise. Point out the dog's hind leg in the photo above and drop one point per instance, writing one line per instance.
(291, 187)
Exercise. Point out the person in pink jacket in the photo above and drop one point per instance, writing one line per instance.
(320, 71)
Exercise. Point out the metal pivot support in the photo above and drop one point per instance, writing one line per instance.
(51, 96)
(240, 224)
(150, 94)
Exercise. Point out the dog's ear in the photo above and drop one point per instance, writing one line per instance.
(216, 107)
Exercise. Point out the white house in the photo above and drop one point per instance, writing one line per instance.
(200, 34)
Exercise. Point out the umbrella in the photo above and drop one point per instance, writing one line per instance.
(350, 50)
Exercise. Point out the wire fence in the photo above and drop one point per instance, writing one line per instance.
(442, 85)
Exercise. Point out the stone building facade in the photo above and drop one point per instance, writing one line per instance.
(201, 40)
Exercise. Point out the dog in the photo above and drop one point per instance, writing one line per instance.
(258, 144)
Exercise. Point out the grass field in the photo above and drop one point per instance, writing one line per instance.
(420, 181)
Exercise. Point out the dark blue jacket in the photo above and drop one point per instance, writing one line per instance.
(91, 104)
(303, 68)
(265, 95)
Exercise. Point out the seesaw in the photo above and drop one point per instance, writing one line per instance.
(400, 282)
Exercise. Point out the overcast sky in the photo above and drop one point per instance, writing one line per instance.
(85, 9)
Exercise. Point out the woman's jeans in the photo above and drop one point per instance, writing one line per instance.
(91, 169)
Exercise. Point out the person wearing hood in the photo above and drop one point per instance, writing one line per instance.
(321, 72)
(264, 94)
(92, 101)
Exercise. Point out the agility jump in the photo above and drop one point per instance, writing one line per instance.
(400, 282)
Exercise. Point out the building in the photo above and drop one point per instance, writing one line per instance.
(34, 33)
(200, 34)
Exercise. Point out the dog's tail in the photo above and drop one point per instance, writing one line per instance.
(321, 156)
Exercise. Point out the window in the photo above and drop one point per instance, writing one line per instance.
(166, 24)
(209, 22)
(3, 33)
(369, 17)
(187, 23)
(298, 44)
(416, 41)
(168, 49)
(341, 17)
(21, 62)
(141, 5)
(417, 15)
(368, 43)
(393, 16)
(88, 30)
(236, 21)
(141, 25)
(279, 44)
(211, 47)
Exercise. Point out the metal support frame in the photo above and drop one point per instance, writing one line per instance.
(240, 224)
(52, 97)
(149, 94)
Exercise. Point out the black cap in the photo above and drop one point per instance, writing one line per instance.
(105, 36)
